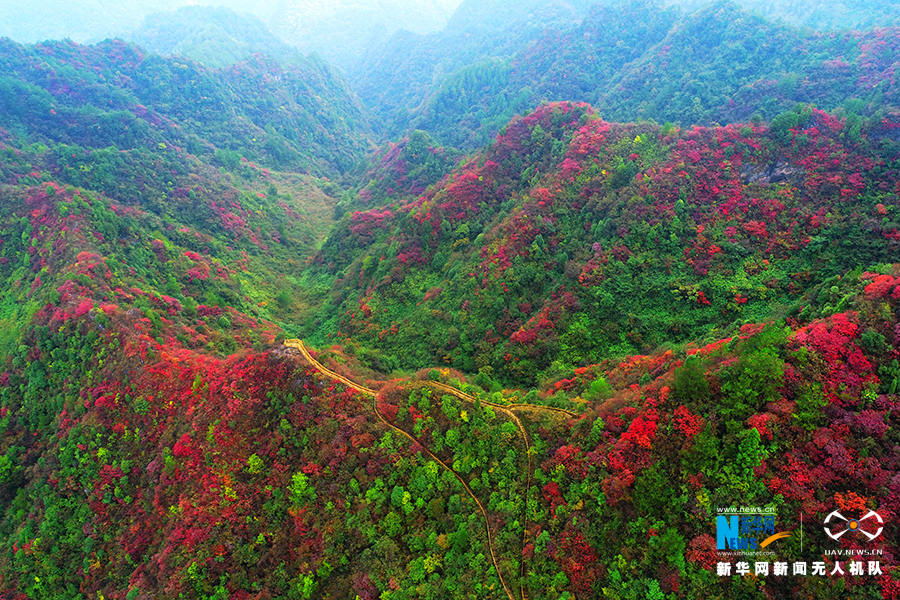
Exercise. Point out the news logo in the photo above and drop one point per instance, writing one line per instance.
(852, 525)
(746, 531)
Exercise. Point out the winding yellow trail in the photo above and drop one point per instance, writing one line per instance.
(298, 344)
(448, 389)
(506, 409)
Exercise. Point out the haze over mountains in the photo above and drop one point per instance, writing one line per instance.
(821, 15)
(214, 36)
(339, 30)
(346, 32)
(569, 278)
(635, 60)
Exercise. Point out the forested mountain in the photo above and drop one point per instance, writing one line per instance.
(633, 60)
(397, 81)
(113, 94)
(344, 32)
(570, 239)
(821, 15)
(175, 142)
(536, 368)
(171, 140)
(214, 36)
(157, 441)
(341, 31)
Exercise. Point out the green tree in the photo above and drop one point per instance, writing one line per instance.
(690, 381)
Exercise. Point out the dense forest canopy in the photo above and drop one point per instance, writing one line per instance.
(635, 60)
(529, 300)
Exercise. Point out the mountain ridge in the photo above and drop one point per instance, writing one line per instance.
(561, 197)
(539, 369)
(463, 101)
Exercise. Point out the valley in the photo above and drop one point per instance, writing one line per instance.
(519, 304)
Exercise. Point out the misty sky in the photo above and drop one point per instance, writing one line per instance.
(87, 21)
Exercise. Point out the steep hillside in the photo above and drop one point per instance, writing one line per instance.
(213, 243)
(214, 36)
(399, 170)
(115, 95)
(171, 182)
(397, 79)
(571, 239)
(575, 62)
(819, 14)
(633, 60)
(725, 65)
(542, 370)
(137, 463)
